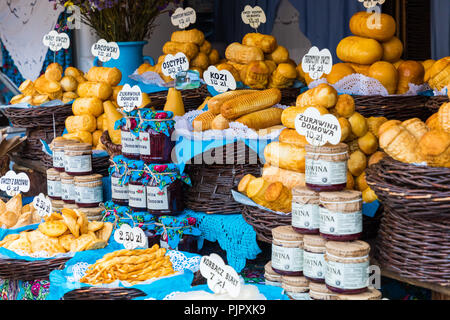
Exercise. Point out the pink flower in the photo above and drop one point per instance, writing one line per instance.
(160, 168)
(133, 123)
(191, 221)
(161, 115)
(35, 289)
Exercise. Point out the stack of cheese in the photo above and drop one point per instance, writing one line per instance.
(413, 141)
(252, 108)
(193, 44)
(259, 62)
(52, 85)
(375, 52)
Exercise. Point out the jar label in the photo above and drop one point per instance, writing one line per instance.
(54, 188)
(118, 192)
(314, 265)
(130, 143)
(305, 216)
(89, 194)
(144, 140)
(299, 295)
(137, 196)
(321, 172)
(78, 164)
(68, 191)
(347, 275)
(58, 159)
(287, 259)
(157, 199)
(338, 223)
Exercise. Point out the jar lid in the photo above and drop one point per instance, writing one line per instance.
(304, 192)
(370, 294)
(52, 172)
(341, 196)
(286, 233)
(57, 204)
(301, 282)
(61, 142)
(268, 269)
(327, 149)
(90, 178)
(356, 248)
(314, 240)
(319, 287)
(78, 147)
(65, 176)
(97, 211)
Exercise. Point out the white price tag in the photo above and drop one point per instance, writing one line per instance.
(182, 18)
(316, 62)
(173, 64)
(43, 205)
(105, 51)
(129, 97)
(221, 80)
(371, 3)
(13, 183)
(318, 129)
(253, 16)
(221, 277)
(131, 238)
(56, 41)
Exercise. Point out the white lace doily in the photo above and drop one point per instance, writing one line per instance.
(180, 262)
(183, 127)
(359, 84)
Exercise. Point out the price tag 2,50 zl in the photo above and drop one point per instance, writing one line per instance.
(221, 80)
(131, 238)
(173, 64)
(43, 205)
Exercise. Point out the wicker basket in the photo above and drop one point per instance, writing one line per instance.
(289, 96)
(192, 98)
(112, 149)
(434, 103)
(393, 108)
(32, 148)
(38, 116)
(93, 293)
(4, 164)
(417, 191)
(16, 269)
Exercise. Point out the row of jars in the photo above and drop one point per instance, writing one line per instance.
(154, 188)
(342, 266)
(147, 135)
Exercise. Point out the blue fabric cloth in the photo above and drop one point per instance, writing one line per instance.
(234, 235)
(440, 29)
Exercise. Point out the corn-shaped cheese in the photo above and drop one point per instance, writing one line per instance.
(215, 103)
(220, 123)
(262, 119)
(203, 121)
(249, 103)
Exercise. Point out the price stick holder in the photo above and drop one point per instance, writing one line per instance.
(253, 16)
(56, 41)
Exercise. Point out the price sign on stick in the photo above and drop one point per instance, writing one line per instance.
(129, 98)
(316, 62)
(131, 238)
(182, 18)
(221, 277)
(173, 64)
(43, 205)
(105, 51)
(371, 3)
(253, 16)
(56, 41)
(13, 183)
(221, 80)
(318, 129)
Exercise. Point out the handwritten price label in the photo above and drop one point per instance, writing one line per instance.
(13, 183)
(131, 238)
(182, 18)
(221, 277)
(129, 98)
(43, 205)
(222, 80)
(56, 41)
(253, 16)
(316, 62)
(105, 51)
(173, 64)
(318, 129)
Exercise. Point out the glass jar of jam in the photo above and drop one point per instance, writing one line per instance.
(130, 142)
(53, 184)
(68, 194)
(287, 251)
(119, 189)
(297, 288)
(188, 243)
(305, 211)
(313, 258)
(57, 147)
(271, 277)
(319, 291)
(137, 193)
(341, 215)
(326, 167)
(89, 190)
(78, 159)
(347, 266)
(93, 214)
(370, 294)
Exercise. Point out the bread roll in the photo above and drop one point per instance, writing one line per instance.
(339, 71)
(256, 75)
(290, 179)
(291, 136)
(409, 72)
(240, 53)
(346, 128)
(392, 50)
(40, 99)
(100, 90)
(368, 143)
(262, 119)
(345, 105)
(69, 83)
(111, 76)
(357, 163)
(289, 114)
(434, 148)
(266, 43)
(359, 124)
(280, 55)
(285, 156)
(323, 95)
(189, 49)
(27, 88)
(191, 36)
(359, 50)
(400, 144)
(74, 72)
(53, 73)
(386, 125)
(92, 106)
(386, 73)
(215, 103)
(363, 24)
